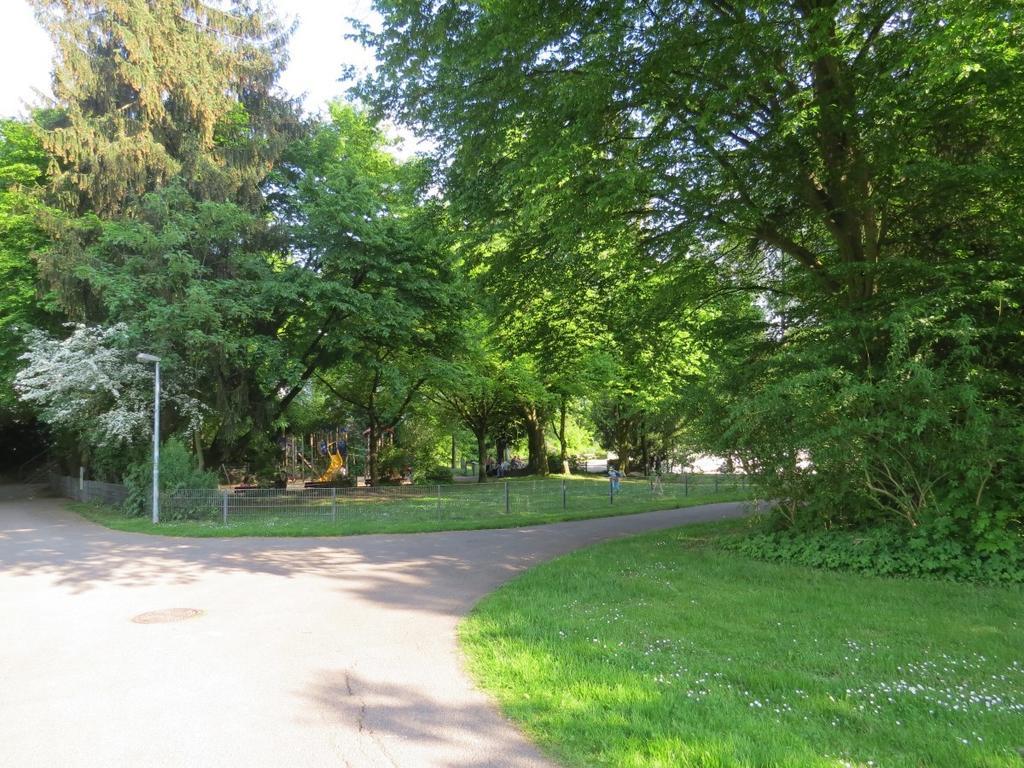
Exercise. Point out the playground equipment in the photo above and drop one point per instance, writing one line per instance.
(336, 466)
(316, 459)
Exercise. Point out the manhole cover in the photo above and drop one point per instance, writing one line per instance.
(167, 615)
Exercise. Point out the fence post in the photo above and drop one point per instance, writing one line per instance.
(716, 483)
(611, 492)
(224, 508)
(563, 495)
(81, 478)
(508, 507)
(686, 484)
(439, 501)
(334, 504)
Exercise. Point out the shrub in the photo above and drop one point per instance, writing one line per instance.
(554, 464)
(887, 550)
(435, 475)
(178, 471)
(392, 463)
(916, 437)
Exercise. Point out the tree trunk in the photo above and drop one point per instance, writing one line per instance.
(563, 443)
(644, 456)
(537, 463)
(198, 443)
(481, 455)
(622, 429)
(623, 451)
(372, 449)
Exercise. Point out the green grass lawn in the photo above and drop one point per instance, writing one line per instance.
(413, 509)
(664, 651)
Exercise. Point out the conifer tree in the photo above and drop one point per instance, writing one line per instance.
(157, 89)
(167, 121)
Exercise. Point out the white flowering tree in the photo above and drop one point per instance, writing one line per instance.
(90, 384)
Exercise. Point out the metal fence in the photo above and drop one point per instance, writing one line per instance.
(532, 499)
(477, 501)
(88, 490)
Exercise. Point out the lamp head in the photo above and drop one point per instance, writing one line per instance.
(143, 357)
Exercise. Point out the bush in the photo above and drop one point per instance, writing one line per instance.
(177, 471)
(887, 551)
(578, 463)
(917, 438)
(435, 475)
(555, 464)
(392, 463)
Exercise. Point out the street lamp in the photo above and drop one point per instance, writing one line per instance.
(143, 357)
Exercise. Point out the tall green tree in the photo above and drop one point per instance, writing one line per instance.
(802, 127)
(203, 285)
(850, 167)
(165, 125)
(483, 390)
(24, 304)
(381, 301)
(153, 90)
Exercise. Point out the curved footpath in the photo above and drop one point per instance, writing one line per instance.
(308, 653)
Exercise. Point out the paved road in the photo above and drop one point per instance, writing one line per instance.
(308, 653)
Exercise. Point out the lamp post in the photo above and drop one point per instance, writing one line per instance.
(143, 357)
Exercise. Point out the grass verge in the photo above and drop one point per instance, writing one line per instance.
(412, 515)
(666, 651)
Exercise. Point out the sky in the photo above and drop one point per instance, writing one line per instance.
(318, 50)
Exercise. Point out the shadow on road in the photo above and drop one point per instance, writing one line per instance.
(455, 735)
(439, 572)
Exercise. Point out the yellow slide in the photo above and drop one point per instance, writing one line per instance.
(333, 469)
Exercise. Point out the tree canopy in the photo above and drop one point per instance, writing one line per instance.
(785, 233)
(824, 191)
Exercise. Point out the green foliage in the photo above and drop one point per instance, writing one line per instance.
(22, 302)
(928, 551)
(795, 228)
(163, 89)
(426, 437)
(924, 438)
(197, 284)
(178, 470)
(483, 391)
(165, 126)
(438, 474)
(381, 299)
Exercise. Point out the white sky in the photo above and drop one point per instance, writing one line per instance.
(318, 50)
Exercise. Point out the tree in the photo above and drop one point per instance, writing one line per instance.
(802, 121)
(153, 90)
(24, 302)
(380, 298)
(378, 386)
(842, 165)
(477, 389)
(22, 305)
(90, 384)
(203, 285)
(165, 125)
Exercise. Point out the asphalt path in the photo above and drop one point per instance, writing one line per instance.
(307, 652)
